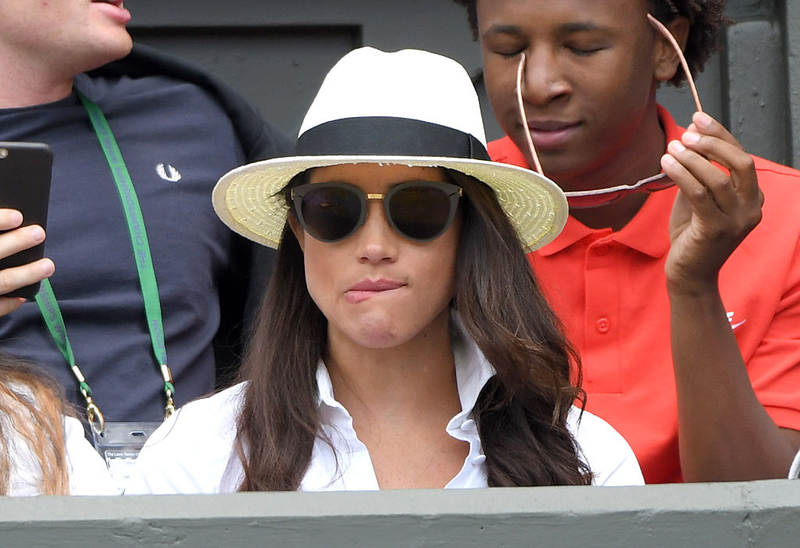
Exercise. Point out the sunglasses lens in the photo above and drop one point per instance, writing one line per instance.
(330, 213)
(420, 212)
(661, 182)
(595, 200)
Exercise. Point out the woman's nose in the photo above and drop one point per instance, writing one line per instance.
(377, 240)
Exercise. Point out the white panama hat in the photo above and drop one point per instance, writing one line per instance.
(409, 107)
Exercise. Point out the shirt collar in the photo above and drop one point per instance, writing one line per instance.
(325, 387)
(473, 371)
(647, 232)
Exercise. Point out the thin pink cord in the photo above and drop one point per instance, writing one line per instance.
(668, 35)
(524, 117)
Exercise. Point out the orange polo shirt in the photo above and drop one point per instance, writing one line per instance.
(609, 289)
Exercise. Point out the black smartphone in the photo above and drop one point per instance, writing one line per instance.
(25, 173)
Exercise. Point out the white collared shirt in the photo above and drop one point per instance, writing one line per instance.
(193, 452)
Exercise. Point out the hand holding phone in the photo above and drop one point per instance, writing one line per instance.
(14, 239)
(25, 172)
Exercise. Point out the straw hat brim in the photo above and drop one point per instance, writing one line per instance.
(249, 201)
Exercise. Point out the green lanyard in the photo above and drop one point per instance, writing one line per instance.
(48, 305)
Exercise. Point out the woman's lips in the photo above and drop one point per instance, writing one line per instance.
(114, 9)
(551, 134)
(369, 288)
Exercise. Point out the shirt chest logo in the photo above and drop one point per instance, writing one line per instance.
(168, 172)
(730, 321)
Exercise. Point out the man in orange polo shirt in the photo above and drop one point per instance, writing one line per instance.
(695, 363)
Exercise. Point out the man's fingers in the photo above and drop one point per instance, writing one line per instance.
(700, 179)
(706, 125)
(20, 276)
(693, 190)
(9, 219)
(711, 140)
(19, 239)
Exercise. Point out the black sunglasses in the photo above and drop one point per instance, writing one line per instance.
(581, 199)
(418, 210)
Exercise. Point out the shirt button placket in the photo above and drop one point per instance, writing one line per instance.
(601, 356)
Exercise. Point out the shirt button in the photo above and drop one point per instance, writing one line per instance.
(467, 424)
(601, 250)
(603, 325)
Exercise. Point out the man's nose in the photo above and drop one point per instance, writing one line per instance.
(542, 79)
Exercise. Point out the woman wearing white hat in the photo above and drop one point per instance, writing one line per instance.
(403, 341)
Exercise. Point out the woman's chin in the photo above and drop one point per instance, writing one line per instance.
(377, 337)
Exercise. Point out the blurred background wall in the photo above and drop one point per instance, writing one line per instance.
(276, 53)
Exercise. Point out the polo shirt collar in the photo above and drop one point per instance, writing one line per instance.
(647, 232)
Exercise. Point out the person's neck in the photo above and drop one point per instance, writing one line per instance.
(615, 216)
(415, 378)
(28, 84)
(640, 159)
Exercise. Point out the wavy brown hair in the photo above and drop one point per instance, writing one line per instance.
(706, 17)
(32, 407)
(521, 413)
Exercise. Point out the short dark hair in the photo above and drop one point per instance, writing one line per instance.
(706, 17)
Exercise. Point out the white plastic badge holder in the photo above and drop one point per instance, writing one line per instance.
(119, 445)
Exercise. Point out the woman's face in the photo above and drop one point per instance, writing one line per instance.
(377, 288)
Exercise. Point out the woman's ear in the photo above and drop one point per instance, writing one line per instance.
(298, 231)
(666, 60)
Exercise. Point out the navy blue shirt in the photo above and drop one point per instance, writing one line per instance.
(176, 142)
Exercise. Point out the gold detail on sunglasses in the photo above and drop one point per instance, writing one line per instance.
(382, 196)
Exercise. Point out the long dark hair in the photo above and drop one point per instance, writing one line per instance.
(521, 412)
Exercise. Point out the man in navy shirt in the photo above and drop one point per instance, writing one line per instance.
(178, 130)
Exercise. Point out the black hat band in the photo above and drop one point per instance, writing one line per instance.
(388, 136)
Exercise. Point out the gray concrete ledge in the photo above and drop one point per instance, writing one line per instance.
(751, 514)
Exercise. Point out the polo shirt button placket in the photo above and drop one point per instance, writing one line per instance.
(601, 350)
(601, 250)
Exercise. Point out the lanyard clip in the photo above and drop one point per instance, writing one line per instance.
(93, 412)
(169, 390)
(169, 409)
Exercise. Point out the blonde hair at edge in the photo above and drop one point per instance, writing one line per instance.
(31, 413)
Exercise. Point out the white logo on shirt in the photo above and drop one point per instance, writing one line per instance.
(168, 172)
(730, 321)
